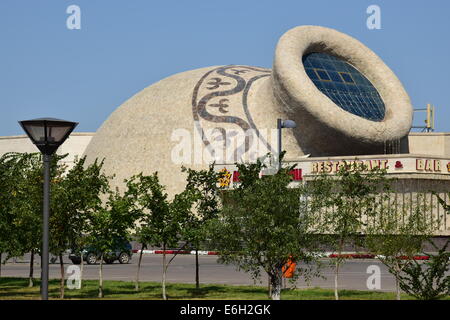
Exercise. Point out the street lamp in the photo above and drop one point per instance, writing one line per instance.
(280, 125)
(47, 134)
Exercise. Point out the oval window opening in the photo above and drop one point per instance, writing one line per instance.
(344, 85)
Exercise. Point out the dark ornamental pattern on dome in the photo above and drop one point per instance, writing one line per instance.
(216, 83)
(221, 105)
(220, 96)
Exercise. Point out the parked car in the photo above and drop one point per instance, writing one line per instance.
(121, 251)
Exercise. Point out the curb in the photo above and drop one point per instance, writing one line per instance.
(200, 253)
(346, 255)
(373, 256)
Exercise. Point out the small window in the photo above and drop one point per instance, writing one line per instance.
(311, 74)
(322, 74)
(346, 77)
(335, 76)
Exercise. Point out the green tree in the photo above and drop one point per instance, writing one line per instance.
(109, 224)
(146, 196)
(398, 231)
(202, 184)
(161, 219)
(263, 224)
(25, 203)
(429, 280)
(9, 170)
(345, 201)
(443, 203)
(75, 196)
(28, 208)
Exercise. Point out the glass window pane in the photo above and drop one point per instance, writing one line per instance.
(311, 74)
(347, 77)
(344, 85)
(56, 133)
(323, 75)
(36, 132)
(335, 76)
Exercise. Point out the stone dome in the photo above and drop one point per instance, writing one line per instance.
(229, 113)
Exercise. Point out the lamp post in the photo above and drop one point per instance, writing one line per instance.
(47, 134)
(280, 125)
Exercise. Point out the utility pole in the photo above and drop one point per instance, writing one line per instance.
(429, 121)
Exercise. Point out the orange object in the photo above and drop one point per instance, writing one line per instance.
(289, 268)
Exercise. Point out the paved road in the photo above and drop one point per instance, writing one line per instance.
(353, 274)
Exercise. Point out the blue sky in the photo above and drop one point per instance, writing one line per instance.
(124, 46)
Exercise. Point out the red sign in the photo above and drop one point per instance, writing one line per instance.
(235, 176)
(296, 174)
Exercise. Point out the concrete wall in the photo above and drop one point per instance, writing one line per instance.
(430, 143)
(74, 145)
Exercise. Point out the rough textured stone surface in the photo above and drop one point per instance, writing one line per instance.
(142, 134)
(327, 129)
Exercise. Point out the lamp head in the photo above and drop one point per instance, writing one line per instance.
(48, 133)
(290, 124)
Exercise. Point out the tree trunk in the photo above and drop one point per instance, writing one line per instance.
(397, 287)
(61, 284)
(100, 285)
(275, 282)
(197, 277)
(336, 275)
(30, 277)
(136, 287)
(1, 253)
(397, 283)
(269, 287)
(164, 273)
(336, 269)
(81, 269)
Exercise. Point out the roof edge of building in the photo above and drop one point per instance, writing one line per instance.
(21, 136)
